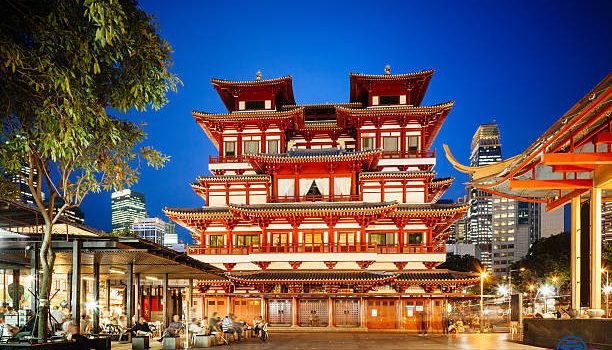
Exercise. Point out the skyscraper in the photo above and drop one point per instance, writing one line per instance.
(152, 229)
(486, 149)
(127, 206)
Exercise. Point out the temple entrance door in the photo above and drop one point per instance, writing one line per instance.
(279, 312)
(412, 314)
(382, 313)
(313, 241)
(313, 313)
(247, 309)
(346, 312)
(217, 305)
(279, 242)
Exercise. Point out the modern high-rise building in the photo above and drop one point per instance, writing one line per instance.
(21, 182)
(152, 229)
(552, 223)
(516, 225)
(24, 195)
(486, 149)
(171, 237)
(127, 206)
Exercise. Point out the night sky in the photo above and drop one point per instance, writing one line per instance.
(520, 64)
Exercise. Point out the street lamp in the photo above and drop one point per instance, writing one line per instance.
(607, 290)
(510, 289)
(531, 289)
(483, 275)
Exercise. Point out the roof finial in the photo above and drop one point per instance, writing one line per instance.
(258, 75)
(387, 69)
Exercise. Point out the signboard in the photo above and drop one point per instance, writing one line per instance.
(374, 312)
(419, 308)
(516, 307)
(410, 310)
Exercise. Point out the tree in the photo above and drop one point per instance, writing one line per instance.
(70, 69)
(547, 258)
(465, 263)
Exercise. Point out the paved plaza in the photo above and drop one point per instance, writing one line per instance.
(371, 341)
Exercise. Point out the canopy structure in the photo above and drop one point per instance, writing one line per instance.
(571, 161)
(81, 250)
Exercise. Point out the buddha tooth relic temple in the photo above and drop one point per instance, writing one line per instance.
(325, 214)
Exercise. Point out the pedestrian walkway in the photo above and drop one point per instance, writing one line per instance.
(371, 341)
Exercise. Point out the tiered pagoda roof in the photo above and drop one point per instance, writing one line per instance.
(415, 83)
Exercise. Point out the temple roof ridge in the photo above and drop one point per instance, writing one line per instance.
(251, 82)
(423, 73)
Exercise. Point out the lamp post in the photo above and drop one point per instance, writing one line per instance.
(607, 290)
(483, 275)
(510, 289)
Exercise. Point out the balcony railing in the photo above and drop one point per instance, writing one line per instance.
(321, 198)
(226, 159)
(409, 154)
(317, 248)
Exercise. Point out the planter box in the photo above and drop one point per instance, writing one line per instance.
(547, 333)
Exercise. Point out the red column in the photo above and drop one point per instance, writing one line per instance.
(429, 238)
(403, 140)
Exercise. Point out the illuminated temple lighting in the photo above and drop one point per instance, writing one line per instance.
(335, 198)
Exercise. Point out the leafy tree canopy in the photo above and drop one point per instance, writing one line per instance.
(465, 263)
(69, 70)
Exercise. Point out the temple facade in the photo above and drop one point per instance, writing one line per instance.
(325, 215)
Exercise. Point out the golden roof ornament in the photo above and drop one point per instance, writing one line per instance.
(258, 75)
(387, 69)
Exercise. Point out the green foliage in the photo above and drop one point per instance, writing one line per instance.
(547, 258)
(69, 69)
(465, 263)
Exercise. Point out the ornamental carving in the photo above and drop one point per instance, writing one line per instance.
(364, 264)
(330, 264)
(400, 264)
(229, 266)
(262, 264)
(295, 264)
(431, 264)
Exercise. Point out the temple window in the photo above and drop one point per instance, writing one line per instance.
(413, 143)
(415, 238)
(215, 240)
(367, 143)
(388, 100)
(230, 148)
(390, 144)
(251, 147)
(382, 238)
(346, 238)
(247, 240)
(272, 146)
(254, 105)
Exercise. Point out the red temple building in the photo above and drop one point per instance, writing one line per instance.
(325, 214)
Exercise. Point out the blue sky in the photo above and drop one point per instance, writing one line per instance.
(519, 63)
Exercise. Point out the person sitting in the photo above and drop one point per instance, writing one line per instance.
(141, 328)
(75, 336)
(237, 325)
(227, 325)
(66, 323)
(214, 328)
(7, 330)
(174, 328)
(194, 327)
(258, 324)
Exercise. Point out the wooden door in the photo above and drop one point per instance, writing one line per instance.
(382, 313)
(313, 241)
(346, 313)
(217, 305)
(246, 309)
(313, 313)
(279, 312)
(412, 314)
